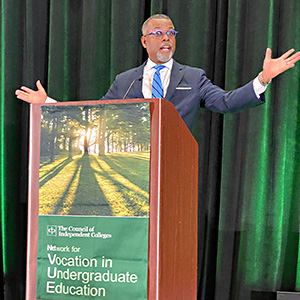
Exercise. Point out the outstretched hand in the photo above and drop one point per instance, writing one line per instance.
(275, 66)
(31, 96)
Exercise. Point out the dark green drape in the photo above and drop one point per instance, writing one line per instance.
(249, 163)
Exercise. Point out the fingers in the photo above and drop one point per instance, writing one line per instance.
(290, 60)
(22, 96)
(29, 91)
(40, 87)
(294, 58)
(26, 89)
(268, 54)
(287, 53)
(21, 93)
(24, 93)
(31, 96)
(286, 56)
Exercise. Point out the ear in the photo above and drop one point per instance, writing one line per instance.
(143, 41)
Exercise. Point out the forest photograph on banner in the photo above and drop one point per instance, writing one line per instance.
(94, 160)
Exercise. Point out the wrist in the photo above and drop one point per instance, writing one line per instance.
(264, 81)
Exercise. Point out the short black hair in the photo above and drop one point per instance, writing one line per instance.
(156, 16)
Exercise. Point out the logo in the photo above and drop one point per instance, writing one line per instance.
(51, 230)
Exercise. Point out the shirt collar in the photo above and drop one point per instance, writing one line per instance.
(150, 64)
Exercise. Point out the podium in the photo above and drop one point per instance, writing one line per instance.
(172, 233)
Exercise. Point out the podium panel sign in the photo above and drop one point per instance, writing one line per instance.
(89, 212)
(92, 256)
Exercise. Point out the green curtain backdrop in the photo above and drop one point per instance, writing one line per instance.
(249, 163)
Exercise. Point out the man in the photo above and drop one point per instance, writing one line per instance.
(186, 87)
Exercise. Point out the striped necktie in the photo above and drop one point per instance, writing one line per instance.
(157, 88)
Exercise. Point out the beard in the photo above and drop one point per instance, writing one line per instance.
(164, 57)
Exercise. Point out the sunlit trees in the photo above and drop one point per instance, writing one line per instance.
(99, 129)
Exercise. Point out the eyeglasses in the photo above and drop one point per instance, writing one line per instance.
(159, 34)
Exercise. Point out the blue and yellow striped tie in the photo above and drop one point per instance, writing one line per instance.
(157, 88)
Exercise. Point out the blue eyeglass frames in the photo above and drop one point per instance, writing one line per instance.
(159, 34)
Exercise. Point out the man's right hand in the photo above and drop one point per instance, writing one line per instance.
(31, 96)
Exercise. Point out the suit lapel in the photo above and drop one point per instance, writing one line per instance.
(176, 76)
(137, 87)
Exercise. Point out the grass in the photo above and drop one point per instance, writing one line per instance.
(111, 185)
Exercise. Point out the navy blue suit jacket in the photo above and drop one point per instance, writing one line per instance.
(189, 89)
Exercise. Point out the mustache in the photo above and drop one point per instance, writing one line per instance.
(166, 44)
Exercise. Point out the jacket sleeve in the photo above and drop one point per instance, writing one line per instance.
(219, 100)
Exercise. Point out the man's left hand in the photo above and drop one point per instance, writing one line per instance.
(275, 66)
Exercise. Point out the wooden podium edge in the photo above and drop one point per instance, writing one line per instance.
(173, 228)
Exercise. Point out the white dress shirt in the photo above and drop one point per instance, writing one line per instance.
(165, 75)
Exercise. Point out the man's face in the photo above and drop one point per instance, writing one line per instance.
(159, 50)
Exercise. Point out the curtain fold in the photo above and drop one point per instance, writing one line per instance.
(260, 163)
(13, 202)
(249, 170)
